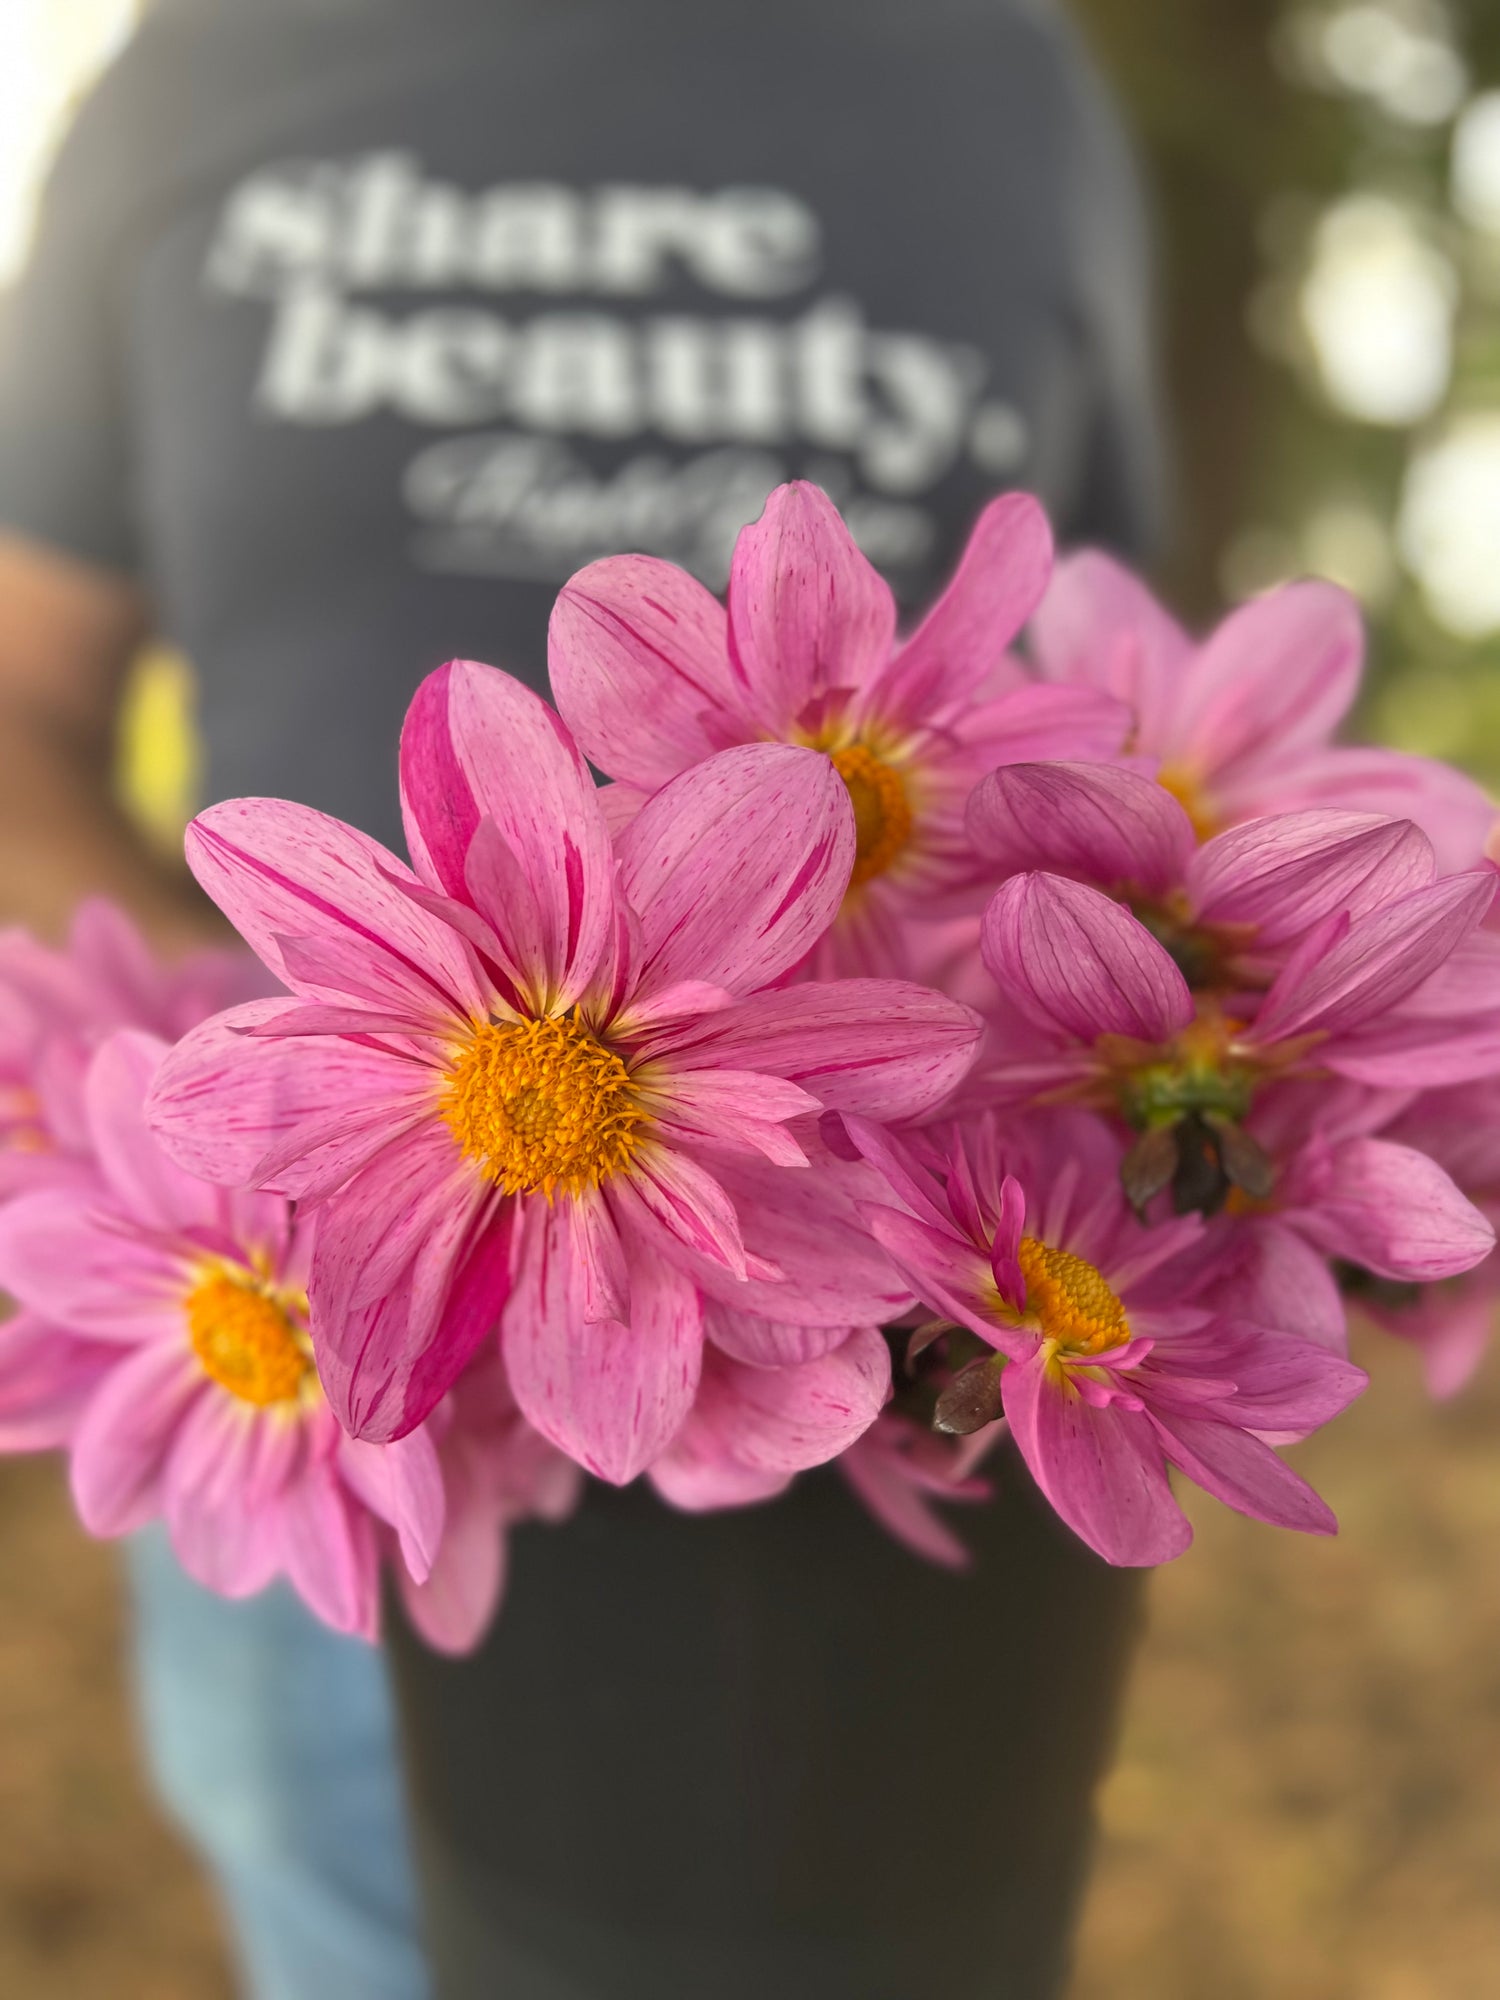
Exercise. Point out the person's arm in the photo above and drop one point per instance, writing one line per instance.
(68, 631)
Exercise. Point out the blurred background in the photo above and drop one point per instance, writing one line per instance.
(1307, 1801)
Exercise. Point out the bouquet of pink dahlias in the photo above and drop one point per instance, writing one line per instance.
(918, 1047)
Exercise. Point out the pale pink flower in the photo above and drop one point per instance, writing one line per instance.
(1242, 724)
(543, 1079)
(653, 675)
(211, 1416)
(1106, 1369)
(56, 1006)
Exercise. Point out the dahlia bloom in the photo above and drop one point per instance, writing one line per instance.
(210, 1415)
(1095, 1007)
(1105, 1367)
(653, 675)
(752, 1429)
(55, 1009)
(537, 1078)
(1243, 724)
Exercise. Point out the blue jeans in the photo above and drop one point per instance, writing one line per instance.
(272, 1742)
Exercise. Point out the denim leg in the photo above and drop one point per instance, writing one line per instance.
(272, 1742)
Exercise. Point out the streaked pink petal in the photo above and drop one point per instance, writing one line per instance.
(787, 1419)
(225, 1099)
(610, 1395)
(1100, 1468)
(677, 1203)
(69, 1258)
(1096, 822)
(879, 1047)
(962, 640)
(1285, 874)
(1378, 962)
(1278, 675)
(477, 745)
(737, 868)
(120, 1451)
(741, 1111)
(1391, 1210)
(1072, 960)
(807, 613)
(143, 1175)
(1098, 625)
(1244, 1473)
(1453, 811)
(768, 1343)
(282, 870)
(638, 657)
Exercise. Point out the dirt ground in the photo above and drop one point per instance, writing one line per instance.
(1306, 1804)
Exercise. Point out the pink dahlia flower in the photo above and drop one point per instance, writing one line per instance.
(1091, 1005)
(1243, 724)
(540, 1079)
(653, 675)
(210, 1416)
(55, 1009)
(1105, 1367)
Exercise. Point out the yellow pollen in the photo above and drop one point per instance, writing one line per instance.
(1185, 788)
(882, 811)
(246, 1338)
(1076, 1307)
(542, 1104)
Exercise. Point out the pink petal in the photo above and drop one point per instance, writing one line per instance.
(807, 613)
(1100, 1468)
(787, 1419)
(452, 1608)
(402, 1483)
(1378, 962)
(768, 1343)
(689, 1477)
(1100, 626)
(1284, 875)
(386, 1358)
(281, 870)
(69, 1258)
(737, 868)
(1455, 813)
(611, 1395)
(875, 1046)
(147, 1180)
(46, 1380)
(224, 1099)
(1072, 961)
(1092, 821)
(121, 1447)
(229, 1549)
(1278, 675)
(1043, 724)
(948, 1275)
(638, 657)
(998, 584)
(478, 745)
(678, 1205)
(1290, 1386)
(328, 1548)
(901, 1508)
(1393, 1211)
(739, 1111)
(1282, 1282)
(1244, 1473)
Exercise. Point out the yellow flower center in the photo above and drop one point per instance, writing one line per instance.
(1076, 1307)
(882, 811)
(1188, 792)
(542, 1104)
(246, 1338)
